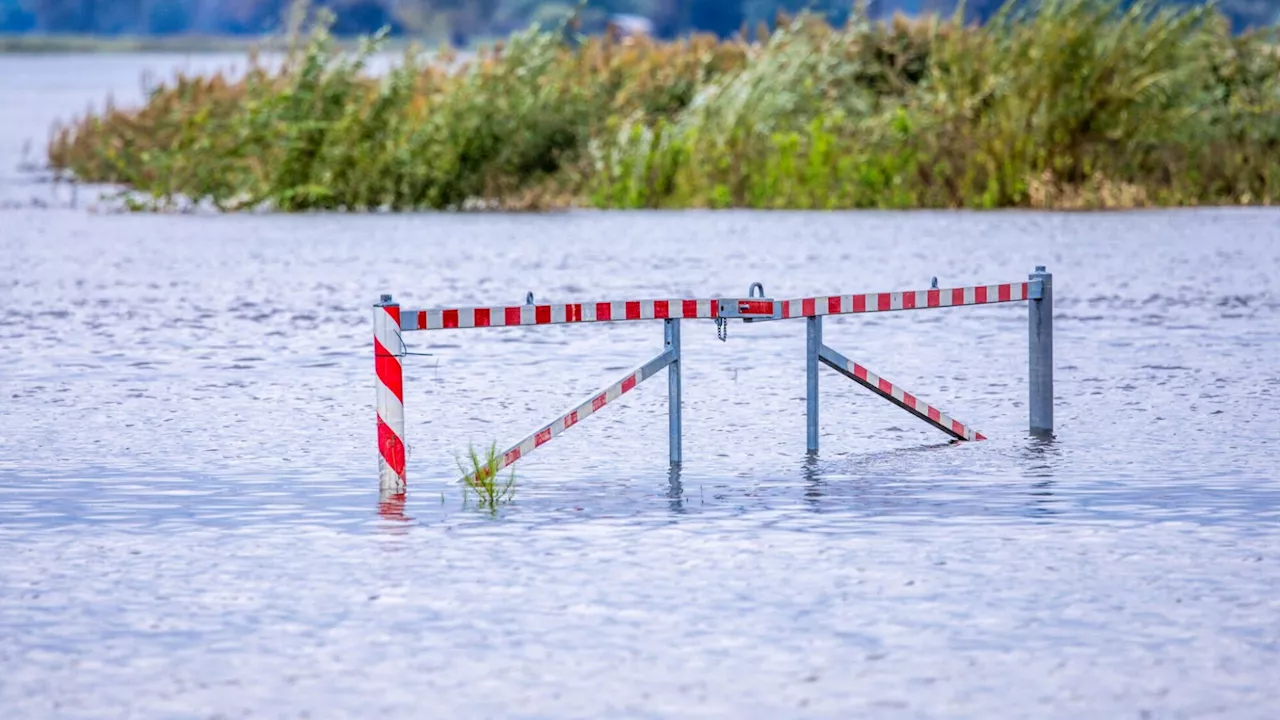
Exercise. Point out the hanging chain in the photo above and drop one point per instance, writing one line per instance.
(722, 329)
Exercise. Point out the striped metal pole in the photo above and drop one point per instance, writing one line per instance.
(1040, 350)
(387, 349)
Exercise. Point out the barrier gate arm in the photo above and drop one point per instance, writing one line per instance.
(897, 395)
(689, 309)
(908, 300)
(557, 313)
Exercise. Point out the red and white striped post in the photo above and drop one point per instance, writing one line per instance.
(387, 349)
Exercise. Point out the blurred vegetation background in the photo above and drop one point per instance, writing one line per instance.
(1067, 104)
(465, 22)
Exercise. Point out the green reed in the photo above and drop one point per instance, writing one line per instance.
(1067, 104)
(481, 476)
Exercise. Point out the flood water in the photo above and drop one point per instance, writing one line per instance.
(190, 524)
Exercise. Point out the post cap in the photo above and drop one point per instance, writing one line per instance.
(386, 300)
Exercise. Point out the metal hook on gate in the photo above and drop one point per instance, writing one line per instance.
(751, 291)
(404, 351)
(528, 298)
(934, 285)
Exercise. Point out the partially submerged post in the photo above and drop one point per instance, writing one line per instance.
(813, 348)
(388, 347)
(1040, 350)
(674, 425)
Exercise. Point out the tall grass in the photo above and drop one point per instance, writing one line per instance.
(1060, 104)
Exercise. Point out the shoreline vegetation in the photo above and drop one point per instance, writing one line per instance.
(1070, 104)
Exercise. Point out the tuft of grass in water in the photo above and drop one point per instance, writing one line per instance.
(1067, 104)
(481, 476)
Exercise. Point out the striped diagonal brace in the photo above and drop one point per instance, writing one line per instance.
(898, 396)
(587, 408)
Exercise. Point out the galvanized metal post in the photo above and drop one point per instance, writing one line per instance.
(671, 333)
(813, 349)
(1040, 351)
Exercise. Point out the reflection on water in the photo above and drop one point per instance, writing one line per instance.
(391, 506)
(675, 489)
(190, 523)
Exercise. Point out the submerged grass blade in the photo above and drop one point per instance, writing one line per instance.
(481, 476)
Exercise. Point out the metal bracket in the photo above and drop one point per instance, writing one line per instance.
(1035, 289)
(755, 306)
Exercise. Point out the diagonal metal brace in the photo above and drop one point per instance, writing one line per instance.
(586, 408)
(897, 395)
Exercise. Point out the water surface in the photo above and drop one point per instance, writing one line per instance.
(190, 524)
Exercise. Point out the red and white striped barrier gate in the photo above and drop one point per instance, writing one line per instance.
(390, 322)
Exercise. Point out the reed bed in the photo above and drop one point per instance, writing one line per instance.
(1068, 104)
